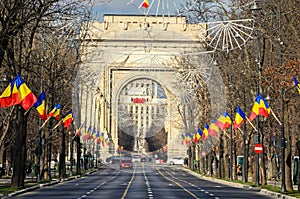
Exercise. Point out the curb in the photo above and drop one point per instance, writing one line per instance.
(38, 186)
(233, 184)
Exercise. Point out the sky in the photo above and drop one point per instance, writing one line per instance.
(132, 7)
(114, 7)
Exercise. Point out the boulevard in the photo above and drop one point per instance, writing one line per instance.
(145, 180)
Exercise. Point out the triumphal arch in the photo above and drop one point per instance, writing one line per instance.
(133, 97)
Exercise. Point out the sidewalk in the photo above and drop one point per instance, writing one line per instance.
(270, 182)
(234, 184)
(30, 178)
(7, 180)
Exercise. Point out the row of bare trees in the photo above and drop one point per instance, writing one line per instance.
(270, 68)
(40, 40)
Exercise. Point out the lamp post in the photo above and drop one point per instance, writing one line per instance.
(283, 187)
(245, 155)
(282, 95)
(255, 9)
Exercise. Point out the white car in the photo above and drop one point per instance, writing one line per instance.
(176, 160)
(136, 158)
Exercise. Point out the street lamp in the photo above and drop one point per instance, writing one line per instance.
(282, 95)
(283, 187)
(255, 10)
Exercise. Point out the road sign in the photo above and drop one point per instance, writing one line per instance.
(258, 148)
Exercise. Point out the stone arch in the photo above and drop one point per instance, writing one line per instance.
(130, 78)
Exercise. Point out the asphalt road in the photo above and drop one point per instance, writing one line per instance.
(145, 181)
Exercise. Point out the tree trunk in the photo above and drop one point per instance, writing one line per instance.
(78, 155)
(288, 165)
(18, 177)
(44, 164)
(252, 167)
(288, 152)
(62, 155)
(298, 148)
(220, 155)
(226, 158)
(262, 164)
(234, 161)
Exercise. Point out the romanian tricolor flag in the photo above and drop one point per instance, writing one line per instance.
(78, 132)
(40, 106)
(87, 134)
(200, 132)
(296, 84)
(107, 142)
(52, 111)
(56, 114)
(260, 107)
(68, 119)
(196, 137)
(205, 132)
(213, 130)
(224, 121)
(97, 134)
(183, 138)
(93, 133)
(17, 92)
(188, 138)
(239, 118)
(145, 4)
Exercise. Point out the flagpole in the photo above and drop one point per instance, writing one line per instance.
(251, 124)
(226, 134)
(276, 118)
(57, 125)
(43, 125)
(28, 110)
(240, 130)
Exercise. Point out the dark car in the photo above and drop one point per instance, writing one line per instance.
(126, 163)
(143, 159)
(113, 159)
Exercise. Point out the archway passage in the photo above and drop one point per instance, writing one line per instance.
(141, 116)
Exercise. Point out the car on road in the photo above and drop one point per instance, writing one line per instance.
(176, 160)
(113, 159)
(126, 163)
(143, 159)
(136, 158)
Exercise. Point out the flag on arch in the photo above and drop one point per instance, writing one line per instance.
(17, 92)
(145, 4)
(40, 106)
(224, 121)
(239, 118)
(68, 119)
(260, 107)
(296, 84)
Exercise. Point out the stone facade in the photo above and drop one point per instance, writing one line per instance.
(122, 51)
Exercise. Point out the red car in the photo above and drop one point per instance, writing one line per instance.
(126, 164)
